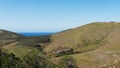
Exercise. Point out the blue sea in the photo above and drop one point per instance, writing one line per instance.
(35, 33)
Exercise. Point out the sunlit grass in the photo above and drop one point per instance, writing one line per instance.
(21, 51)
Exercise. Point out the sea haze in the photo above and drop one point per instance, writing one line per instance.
(35, 33)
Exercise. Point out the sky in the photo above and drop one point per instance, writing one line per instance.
(55, 15)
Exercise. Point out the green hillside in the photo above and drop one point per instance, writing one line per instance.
(84, 38)
(95, 45)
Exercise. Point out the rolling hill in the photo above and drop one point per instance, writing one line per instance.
(7, 37)
(95, 45)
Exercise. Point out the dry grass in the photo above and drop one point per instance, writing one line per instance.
(98, 42)
(82, 37)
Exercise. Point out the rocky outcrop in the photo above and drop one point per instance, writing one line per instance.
(62, 51)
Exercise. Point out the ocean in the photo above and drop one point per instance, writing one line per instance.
(35, 33)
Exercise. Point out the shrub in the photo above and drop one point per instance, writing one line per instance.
(67, 62)
(37, 60)
(10, 61)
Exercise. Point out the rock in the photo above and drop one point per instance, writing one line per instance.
(62, 51)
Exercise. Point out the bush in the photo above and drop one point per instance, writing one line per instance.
(37, 60)
(10, 61)
(67, 62)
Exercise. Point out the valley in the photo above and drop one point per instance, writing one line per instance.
(95, 45)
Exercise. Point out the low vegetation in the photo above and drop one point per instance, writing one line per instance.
(10, 60)
(67, 62)
(33, 41)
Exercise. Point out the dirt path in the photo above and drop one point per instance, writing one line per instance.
(10, 45)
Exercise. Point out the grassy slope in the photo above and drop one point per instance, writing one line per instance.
(81, 38)
(19, 51)
(103, 56)
(4, 34)
(7, 37)
(98, 42)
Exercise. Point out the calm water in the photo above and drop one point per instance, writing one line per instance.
(35, 33)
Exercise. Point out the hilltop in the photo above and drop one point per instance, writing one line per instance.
(81, 38)
(93, 45)
(7, 37)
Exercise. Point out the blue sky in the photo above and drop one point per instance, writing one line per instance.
(55, 15)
